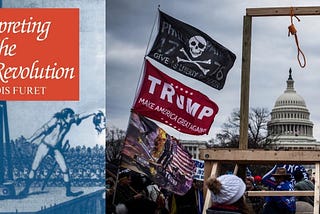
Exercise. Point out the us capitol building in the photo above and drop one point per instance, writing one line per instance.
(290, 127)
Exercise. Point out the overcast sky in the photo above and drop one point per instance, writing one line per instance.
(28, 116)
(273, 53)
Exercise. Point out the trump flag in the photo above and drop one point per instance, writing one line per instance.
(166, 100)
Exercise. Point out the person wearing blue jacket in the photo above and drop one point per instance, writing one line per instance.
(281, 204)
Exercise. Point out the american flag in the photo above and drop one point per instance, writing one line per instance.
(182, 160)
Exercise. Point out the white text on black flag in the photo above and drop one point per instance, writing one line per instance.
(191, 52)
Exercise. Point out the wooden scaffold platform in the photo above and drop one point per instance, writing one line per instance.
(214, 157)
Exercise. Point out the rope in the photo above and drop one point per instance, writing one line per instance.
(293, 31)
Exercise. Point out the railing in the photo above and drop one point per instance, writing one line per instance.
(214, 157)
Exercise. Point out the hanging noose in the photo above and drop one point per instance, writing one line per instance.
(293, 31)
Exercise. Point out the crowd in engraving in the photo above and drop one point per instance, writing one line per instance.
(86, 165)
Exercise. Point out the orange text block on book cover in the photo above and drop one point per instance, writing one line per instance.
(39, 54)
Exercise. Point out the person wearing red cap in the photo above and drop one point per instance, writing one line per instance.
(257, 179)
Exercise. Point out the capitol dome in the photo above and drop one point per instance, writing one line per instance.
(290, 126)
(290, 97)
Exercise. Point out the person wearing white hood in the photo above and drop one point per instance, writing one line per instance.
(227, 194)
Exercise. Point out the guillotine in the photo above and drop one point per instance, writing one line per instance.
(6, 174)
(214, 157)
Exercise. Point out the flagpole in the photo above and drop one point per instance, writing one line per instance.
(141, 73)
(118, 168)
(140, 77)
(116, 182)
(154, 23)
(145, 54)
(142, 69)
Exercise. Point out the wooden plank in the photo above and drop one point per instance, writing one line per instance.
(208, 167)
(279, 193)
(245, 81)
(260, 156)
(283, 11)
(207, 200)
(236, 168)
(316, 188)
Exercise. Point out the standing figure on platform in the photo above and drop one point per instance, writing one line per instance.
(51, 136)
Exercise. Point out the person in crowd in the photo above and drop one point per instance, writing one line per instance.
(155, 194)
(187, 203)
(198, 184)
(125, 190)
(303, 183)
(255, 202)
(227, 194)
(132, 198)
(281, 204)
(312, 178)
(137, 206)
(250, 185)
(110, 186)
(258, 181)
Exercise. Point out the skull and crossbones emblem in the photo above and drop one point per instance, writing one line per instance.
(197, 45)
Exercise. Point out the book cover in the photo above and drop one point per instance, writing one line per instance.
(52, 106)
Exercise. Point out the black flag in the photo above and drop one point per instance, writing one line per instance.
(191, 52)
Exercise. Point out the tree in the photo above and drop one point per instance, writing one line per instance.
(114, 140)
(257, 130)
